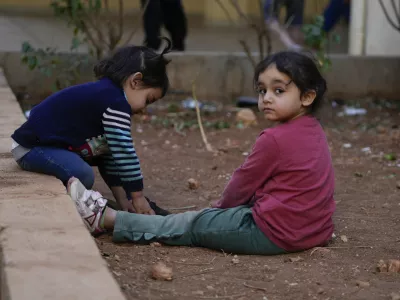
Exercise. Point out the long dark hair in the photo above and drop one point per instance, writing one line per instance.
(132, 59)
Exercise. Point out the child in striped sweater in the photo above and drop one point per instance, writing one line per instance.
(89, 124)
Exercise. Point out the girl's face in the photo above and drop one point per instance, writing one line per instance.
(279, 98)
(138, 95)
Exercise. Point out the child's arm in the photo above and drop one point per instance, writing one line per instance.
(125, 163)
(259, 166)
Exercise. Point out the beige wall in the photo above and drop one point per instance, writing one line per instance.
(207, 8)
(381, 37)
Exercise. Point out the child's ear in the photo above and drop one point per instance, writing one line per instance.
(135, 80)
(308, 98)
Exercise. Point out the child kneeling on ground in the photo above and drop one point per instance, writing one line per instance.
(280, 200)
(90, 125)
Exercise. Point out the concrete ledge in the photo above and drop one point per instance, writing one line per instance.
(223, 75)
(45, 250)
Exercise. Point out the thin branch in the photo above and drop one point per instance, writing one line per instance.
(225, 297)
(196, 264)
(399, 11)
(209, 270)
(269, 42)
(261, 33)
(92, 41)
(110, 26)
(396, 12)
(136, 27)
(182, 208)
(248, 52)
(265, 30)
(121, 20)
(255, 287)
(261, 30)
(351, 247)
(388, 17)
(327, 249)
(89, 24)
(226, 12)
(240, 12)
(203, 135)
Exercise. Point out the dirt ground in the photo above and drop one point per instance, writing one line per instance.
(367, 218)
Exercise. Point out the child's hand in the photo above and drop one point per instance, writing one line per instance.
(126, 205)
(142, 206)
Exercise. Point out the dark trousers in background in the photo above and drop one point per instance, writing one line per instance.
(335, 10)
(169, 13)
(294, 10)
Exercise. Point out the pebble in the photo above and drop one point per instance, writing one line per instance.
(235, 260)
(193, 184)
(381, 129)
(247, 117)
(395, 296)
(199, 293)
(362, 284)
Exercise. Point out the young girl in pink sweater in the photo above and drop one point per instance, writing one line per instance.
(280, 200)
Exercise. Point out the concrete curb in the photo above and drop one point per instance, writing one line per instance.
(45, 250)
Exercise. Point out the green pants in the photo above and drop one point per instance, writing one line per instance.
(232, 230)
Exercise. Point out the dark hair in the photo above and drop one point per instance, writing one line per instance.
(131, 59)
(301, 69)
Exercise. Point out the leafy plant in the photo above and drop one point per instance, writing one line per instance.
(48, 62)
(93, 25)
(318, 40)
(259, 27)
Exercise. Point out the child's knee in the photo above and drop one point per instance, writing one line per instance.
(86, 176)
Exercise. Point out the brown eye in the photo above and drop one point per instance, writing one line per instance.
(261, 91)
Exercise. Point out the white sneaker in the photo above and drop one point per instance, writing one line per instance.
(90, 205)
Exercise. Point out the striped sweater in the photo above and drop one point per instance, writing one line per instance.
(92, 119)
(122, 161)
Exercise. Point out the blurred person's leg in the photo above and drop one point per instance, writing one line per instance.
(334, 11)
(271, 15)
(294, 19)
(272, 9)
(152, 21)
(175, 22)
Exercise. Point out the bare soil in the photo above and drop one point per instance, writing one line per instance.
(368, 214)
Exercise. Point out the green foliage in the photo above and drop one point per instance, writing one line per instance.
(92, 26)
(48, 62)
(318, 40)
(84, 18)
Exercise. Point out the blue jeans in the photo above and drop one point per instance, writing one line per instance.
(63, 164)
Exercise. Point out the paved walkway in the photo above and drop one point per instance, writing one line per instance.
(45, 251)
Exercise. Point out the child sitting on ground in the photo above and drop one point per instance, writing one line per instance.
(280, 200)
(90, 124)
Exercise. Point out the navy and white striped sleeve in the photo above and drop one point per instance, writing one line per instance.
(123, 161)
